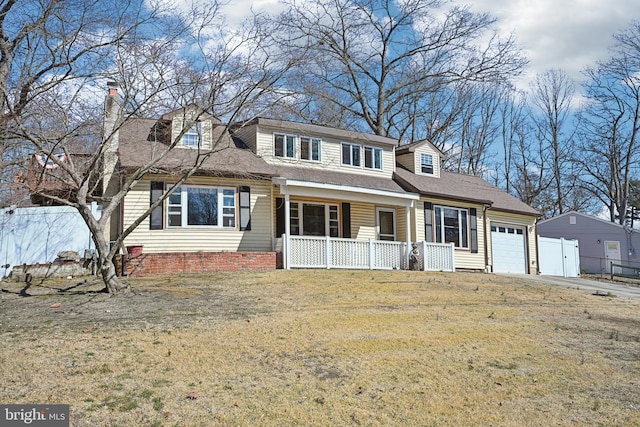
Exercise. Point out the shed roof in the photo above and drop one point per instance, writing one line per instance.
(311, 129)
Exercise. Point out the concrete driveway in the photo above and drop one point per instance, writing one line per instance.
(619, 290)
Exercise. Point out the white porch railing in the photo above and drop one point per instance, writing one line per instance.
(329, 252)
(436, 256)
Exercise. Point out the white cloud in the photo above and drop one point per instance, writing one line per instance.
(570, 35)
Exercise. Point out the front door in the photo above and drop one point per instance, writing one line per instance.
(386, 224)
(611, 254)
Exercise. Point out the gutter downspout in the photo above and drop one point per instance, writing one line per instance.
(486, 240)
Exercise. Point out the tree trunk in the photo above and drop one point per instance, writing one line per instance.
(110, 277)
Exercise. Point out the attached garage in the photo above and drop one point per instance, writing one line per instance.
(508, 251)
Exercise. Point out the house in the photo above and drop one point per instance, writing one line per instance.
(601, 242)
(314, 195)
(491, 229)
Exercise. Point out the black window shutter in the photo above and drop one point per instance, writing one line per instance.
(280, 226)
(346, 220)
(428, 222)
(155, 220)
(474, 230)
(245, 208)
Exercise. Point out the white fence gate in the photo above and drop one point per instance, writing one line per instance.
(37, 234)
(558, 257)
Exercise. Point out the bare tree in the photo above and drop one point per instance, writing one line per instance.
(609, 150)
(553, 93)
(52, 107)
(513, 124)
(380, 60)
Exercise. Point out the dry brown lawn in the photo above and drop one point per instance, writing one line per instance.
(323, 348)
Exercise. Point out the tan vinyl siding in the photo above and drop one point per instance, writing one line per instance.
(464, 258)
(330, 156)
(363, 221)
(528, 222)
(248, 135)
(208, 239)
(407, 161)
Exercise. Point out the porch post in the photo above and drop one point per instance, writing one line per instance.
(287, 231)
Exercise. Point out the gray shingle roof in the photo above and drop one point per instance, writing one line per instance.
(338, 178)
(462, 188)
(340, 134)
(141, 142)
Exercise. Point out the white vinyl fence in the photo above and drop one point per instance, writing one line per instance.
(558, 257)
(37, 234)
(329, 252)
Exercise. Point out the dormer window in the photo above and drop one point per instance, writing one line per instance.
(285, 146)
(373, 158)
(426, 163)
(193, 136)
(310, 148)
(350, 154)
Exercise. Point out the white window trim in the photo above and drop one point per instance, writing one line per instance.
(184, 207)
(433, 169)
(311, 139)
(284, 147)
(395, 222)
(197, 132)
(327, 216)
(441, 238)
(351, 145)
(373, 157)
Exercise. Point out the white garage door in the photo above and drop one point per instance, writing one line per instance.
(508, 249)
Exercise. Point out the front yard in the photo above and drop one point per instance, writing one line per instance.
(323, 347)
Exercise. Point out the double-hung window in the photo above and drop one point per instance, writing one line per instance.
(285, 145)
(373, 158)
(314, 219)
(310, 148)
(452, 226)
(202, 206)
(192, 137)
(350, 154)
(426, 163)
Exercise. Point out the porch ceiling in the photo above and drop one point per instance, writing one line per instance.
(299, 188)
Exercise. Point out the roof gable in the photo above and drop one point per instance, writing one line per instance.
(411, 148)
(602, 221)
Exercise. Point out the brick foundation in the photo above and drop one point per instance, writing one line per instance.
(199, 262)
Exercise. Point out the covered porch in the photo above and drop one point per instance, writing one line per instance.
(325, 225)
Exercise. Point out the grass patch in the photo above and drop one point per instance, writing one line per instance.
(323, 347)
